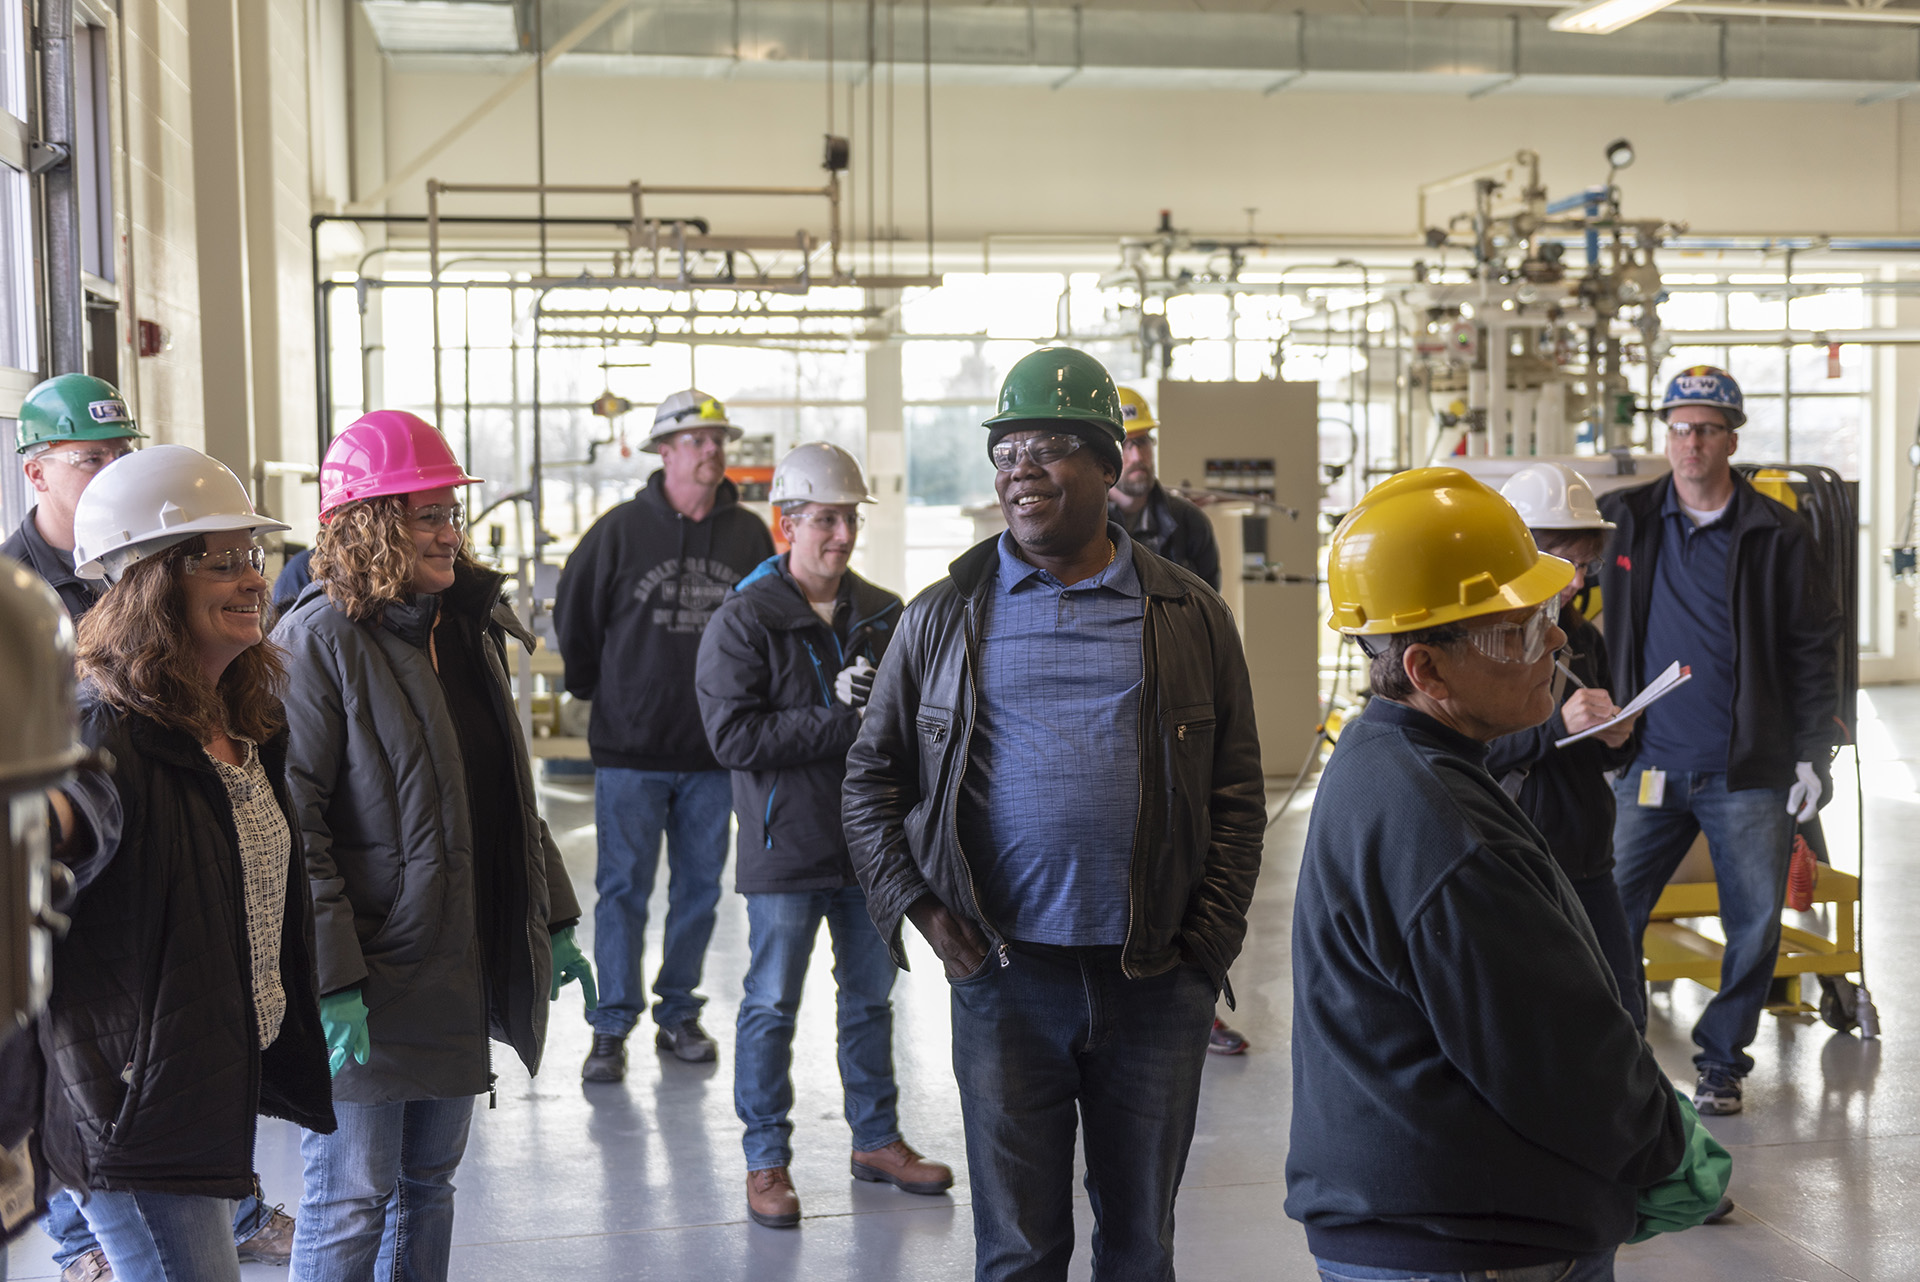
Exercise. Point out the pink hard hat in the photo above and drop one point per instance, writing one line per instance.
(386, 452)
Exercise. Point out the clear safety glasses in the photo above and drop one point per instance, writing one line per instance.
(828, 522)
(1043, 450)
(1522, 642)
(92, 459)
(431, 518)
(225, 567)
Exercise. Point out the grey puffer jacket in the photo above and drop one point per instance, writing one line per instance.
(380, 796)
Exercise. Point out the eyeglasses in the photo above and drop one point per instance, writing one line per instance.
(827, 522)
(1522, 642)
(430, 519)
(1041, 450)
(225, 567)
(695, 437)
(89, 460)
(1705, 431)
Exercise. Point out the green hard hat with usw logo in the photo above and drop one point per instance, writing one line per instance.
(74, 407)
(1060, 384)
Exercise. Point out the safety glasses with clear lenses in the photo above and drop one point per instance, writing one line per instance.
(433, 517)
(1043, 450)
(90, 459)
(828, 522)
(1522, 642)
(227, 566)
(1705, 431)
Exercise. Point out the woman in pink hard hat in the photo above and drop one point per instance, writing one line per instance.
(443, 914)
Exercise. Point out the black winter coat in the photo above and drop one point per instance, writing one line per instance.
(1202, 813)
(154, 1067)
(632, 603)
(1565, 790)
(1786, 627)
(380, 786)
(1471, 1093)
(765, 684)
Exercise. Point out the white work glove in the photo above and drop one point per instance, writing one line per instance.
(1803, 799)
(854, 685)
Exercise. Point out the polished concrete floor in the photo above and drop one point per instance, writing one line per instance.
(644, 1180)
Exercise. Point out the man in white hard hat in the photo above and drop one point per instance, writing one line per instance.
(786, 667)
(1566, 791)
(633, 600)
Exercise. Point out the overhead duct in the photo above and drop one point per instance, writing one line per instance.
(1293, 52)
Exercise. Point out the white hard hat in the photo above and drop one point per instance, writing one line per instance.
(147, 501)
(819, 473)
(1552, 496)
(684, 411)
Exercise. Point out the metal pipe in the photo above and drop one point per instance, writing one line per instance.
(60, 192)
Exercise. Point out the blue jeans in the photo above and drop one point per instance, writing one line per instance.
(73, 1239)
(164, 1237)
(378, 1192)
(1597, 1267)
(1060, 1040)
(631, 809)
(1751, 835)
(780, 934)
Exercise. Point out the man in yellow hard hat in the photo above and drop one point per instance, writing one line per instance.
(1161, 522)
(1480, 1099)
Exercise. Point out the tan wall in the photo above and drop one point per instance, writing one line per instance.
(1083, 160)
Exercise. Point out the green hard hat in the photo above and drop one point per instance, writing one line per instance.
(74, 407)
(1059, 383)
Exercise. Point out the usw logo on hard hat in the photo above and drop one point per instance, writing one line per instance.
(109, 412)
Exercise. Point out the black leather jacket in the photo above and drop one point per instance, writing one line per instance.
(1202, 813)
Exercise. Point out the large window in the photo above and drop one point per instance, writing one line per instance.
(18, 349)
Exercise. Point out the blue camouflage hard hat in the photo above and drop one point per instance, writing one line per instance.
(1705, 385)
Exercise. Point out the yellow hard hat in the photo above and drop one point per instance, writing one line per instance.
(1430, 547)
(1135, 414)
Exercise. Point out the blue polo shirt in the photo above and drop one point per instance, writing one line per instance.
(1690, 619)
(1052, 789)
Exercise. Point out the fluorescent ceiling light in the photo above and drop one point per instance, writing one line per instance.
(1600, 17)
(443, 26)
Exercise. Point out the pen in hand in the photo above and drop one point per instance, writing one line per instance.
(1567, 672)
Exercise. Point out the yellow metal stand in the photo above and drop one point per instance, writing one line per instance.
(1675, 950)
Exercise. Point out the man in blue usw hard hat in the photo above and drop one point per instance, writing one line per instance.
(1706, 571)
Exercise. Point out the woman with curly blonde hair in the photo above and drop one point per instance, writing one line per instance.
(432, 871)
(189, 958)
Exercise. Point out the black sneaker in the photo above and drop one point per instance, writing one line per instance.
(607, 1061)
(1717, 1092)
(1225, 1041)
(688, 1041)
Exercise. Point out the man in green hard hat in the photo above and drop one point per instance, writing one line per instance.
(1058, 783)
(71, 426)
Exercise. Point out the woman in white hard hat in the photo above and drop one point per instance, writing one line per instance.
(442, 909)
(184, 1000)
(1564, 790)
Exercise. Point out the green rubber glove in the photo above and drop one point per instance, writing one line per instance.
(344, 1017)
(570, 964)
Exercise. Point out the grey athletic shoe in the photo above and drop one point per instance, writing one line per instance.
(688, 1041)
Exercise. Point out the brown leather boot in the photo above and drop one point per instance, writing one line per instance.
(897, 1164)
(771, 1200)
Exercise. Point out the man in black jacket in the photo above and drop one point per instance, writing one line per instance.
(71, 426)
(1161, 522)
(1707, 572)
(786, 669)
(1059, 783)
(1566, 791)
(1471, 1095)
(633, 600)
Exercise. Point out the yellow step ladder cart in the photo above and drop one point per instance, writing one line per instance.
(1675, 949)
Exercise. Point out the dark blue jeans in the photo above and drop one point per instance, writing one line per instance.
(1060, 1041)
(73, 1239)
(631, 809)
(780, 934)
(1751, 835)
